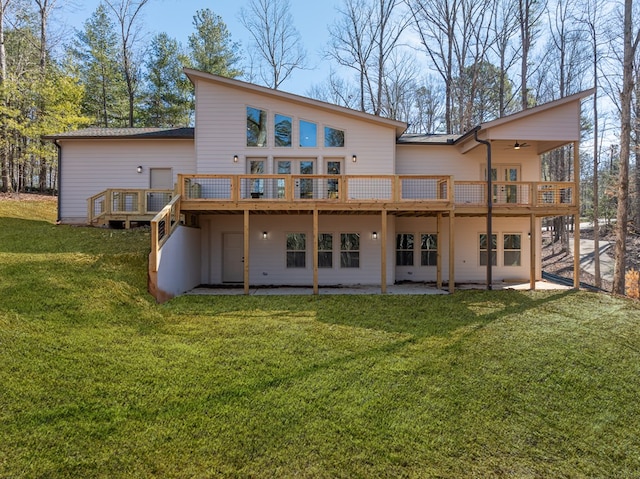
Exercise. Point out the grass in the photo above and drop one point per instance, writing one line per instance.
(99, 381)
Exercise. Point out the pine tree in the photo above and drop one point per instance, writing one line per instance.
(96, 52)
(168, 99)
(211, 48)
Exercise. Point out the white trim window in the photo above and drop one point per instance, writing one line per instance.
(404, 249)
(428, 249)
(483, 249)
(296, 250)
(512, 249)
(325, 250)
(349, 250)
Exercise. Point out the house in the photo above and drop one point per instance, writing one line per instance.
(272, 188)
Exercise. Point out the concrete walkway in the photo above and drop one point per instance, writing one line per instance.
(407, 289)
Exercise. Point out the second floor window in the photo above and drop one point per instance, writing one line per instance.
(308, 134)
(256, 127)
(282, 130)
(333, 138)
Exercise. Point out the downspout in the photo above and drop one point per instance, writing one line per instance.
(489, 210)
(55, 142)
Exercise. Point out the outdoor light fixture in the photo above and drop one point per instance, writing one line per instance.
(235, 158)
(139, 169)
(264, 235)
(374, 235)
(354, 158)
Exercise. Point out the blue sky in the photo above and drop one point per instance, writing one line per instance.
(175, 17)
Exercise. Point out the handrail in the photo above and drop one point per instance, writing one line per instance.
(516, 193)
(162, 225)
(125, 201)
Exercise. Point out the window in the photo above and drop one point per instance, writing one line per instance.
(483, 250)
(404, 249)
(512, 249)
(349, 250)
(325, 250)
(333, 138)
(256, 127)
(334, 167)
(429, 250)
(282, 130)
(296, 250)
(308, 134)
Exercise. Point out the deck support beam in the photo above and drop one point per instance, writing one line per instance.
(576, 216)
(438, 254)
(315, 251)
(383, 252)
(246, 252)
(533, 241)
(452, 256)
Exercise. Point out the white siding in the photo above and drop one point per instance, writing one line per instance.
(221, 133)
(446, 160)
(91, 166)
(268, 256)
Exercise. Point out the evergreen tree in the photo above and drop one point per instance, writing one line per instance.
(211, 48)
(96, 52)
(168, 99)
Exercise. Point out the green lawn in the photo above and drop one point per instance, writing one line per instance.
(96, 380)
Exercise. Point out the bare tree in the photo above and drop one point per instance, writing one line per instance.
(630, 45)
(276, 39)
(4, 151)
(435, 23)
(335, 90)
(128, 13)
(505, 26)
(529, 13)
(351, 45)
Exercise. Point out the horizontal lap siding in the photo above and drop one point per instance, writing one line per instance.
(92, 166)
(446, 160)
(268, 256)
(221, 133)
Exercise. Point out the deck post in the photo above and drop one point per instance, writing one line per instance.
(452, 280)
(438, 253)
(576, 215)
(533, 244)
(383, 252)
(246, 252)
(315, 251)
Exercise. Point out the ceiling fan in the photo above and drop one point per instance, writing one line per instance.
(517, 145)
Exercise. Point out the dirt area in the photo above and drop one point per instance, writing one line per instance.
(558, 261)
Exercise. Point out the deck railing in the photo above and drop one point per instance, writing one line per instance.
(162, 225)
(532, 194)
(332, 188)
(131, 202)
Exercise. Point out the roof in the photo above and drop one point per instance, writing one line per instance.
(424, 139)
(194, 75)
(125, 133)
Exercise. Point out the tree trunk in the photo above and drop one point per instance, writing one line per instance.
(625, 143)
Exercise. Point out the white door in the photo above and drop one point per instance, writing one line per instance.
(232, 258)
(159, 179)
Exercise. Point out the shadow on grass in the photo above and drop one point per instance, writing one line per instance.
(417, 315)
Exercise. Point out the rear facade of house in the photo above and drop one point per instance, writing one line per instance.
(273, 189)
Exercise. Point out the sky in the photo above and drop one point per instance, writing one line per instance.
(175, 17)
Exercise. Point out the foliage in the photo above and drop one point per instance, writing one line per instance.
(99, 381)
(632, 283)
(96, 53)
(212, 49)
(168, 99)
